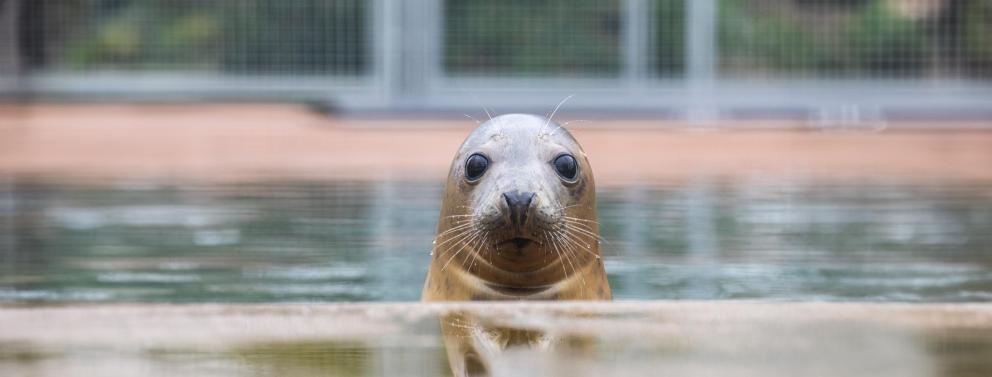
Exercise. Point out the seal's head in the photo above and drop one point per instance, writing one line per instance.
(519, 207)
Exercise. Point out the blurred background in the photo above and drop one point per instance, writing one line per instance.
(695, 59)
(274, 151)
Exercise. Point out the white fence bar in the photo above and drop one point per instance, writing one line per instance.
(635, 42)
(701, 16)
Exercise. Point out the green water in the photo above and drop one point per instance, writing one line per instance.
(322, 241)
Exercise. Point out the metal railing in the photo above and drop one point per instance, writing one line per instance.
(700, 59)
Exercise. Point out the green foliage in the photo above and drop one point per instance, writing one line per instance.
(302, 36)
(257, 36)
(669, 37)
(977, 38)
(561, 37)
(859, 38)
(140, 35)
(884, 43)
(769, 42)
(826, 38)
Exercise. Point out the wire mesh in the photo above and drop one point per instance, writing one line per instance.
(532, 38)
(667, 43)
(872, 39)
(297, 37)
(407, 49)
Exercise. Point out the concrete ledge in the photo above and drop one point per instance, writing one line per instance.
(220, 323)
(629, 338)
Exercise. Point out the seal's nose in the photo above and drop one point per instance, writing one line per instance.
(519, 204)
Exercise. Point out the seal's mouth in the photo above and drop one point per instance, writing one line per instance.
(519, 242)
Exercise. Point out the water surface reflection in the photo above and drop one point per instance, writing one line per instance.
(369, 241)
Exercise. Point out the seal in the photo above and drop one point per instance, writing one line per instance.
(518, 220)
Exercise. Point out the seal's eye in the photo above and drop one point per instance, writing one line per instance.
(566, 166)
(475, 166)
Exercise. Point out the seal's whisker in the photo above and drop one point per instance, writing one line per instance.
(568, 257)
(586, 226)
(472, 247)
(584, 229)
(460, 219)
(486, 241)
(475, 254)
(464, 244)
(544, 233)
(589, 227)
(449, 238)
(460, 222)
(581, 219)
(552, 115)
(579, 226)
(564, 252)
(457, 236)
(547, 241)
(477, 101)
(488, 113)
(453, 229)
(462, 215)
(468, 243)
(574, 233)
(482, 246)
(561, 258)
(585, 248)
(472, 118)
(574, 121)
(581, 246)
(563, 125)
(461, 237)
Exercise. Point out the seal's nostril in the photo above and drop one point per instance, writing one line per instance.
(518, 204)
(518, 199)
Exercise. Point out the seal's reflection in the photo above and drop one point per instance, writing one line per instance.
(478, 345)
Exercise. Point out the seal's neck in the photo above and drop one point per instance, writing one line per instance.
(509, 275)
(571, 286)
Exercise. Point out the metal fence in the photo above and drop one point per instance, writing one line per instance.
(700, 59)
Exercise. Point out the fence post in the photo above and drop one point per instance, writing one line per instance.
(635, 42)
(420, 40)
(701, 42)
(383, 20)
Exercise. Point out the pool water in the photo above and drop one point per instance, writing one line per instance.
(329, 241)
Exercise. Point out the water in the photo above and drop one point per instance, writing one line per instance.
(331, 241)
